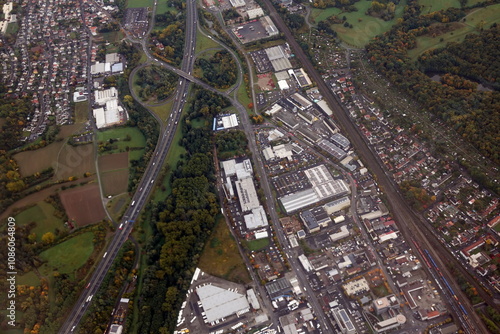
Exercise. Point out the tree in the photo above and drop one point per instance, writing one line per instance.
(48, 238)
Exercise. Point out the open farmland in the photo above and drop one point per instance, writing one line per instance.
(42, 214)
(113, 161)
(114, 182)
(120, 142)
(74, 161)
(31, 162)
(69, 255)
(221, 257)
(83, 204)
(139, 3)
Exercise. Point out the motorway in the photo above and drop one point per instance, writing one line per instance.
(146, 185)
(411, 226)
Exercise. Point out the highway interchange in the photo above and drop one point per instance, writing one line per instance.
(399, 207)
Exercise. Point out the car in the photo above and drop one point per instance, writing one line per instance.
(87, 286)
(73, 328)
(121, 226)
(105, 255)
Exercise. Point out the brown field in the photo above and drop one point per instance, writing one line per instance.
(39, 196)
(115, 182)
(67, 130)
(83, 204)
(74, 161)
(113, 161)
(31, 162)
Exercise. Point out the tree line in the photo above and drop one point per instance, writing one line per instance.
(181, 225)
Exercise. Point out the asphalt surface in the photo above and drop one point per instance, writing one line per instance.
(411, 226)
(145, 187)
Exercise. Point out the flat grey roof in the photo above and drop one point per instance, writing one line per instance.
(220, 303)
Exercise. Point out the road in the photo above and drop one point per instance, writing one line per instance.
(146, 185)
(411, 226)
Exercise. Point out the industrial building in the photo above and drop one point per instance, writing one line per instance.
(323, 183)
(268, 24)
(279, 288)
(256, 219)
(331, 149)
(299, 200)
(220, 303)
(241, 170)
(102, 96)
(338, 204)
(278, 58)
(287, 119)
(254, 13)
(301, 77)
(309, 221)
(341, 141)
(247, 194)
(224, 122)
(237, 3)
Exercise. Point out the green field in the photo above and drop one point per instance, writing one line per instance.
(221, 257)
(486, 16)
(12, 28)
(322, 14)
(81, 112)
(204, 43)
(243, 97)
(69, 255)
(140, 3)
(119, 134)
(162, 7)
(112, 36)
(42, 215)
(256, 245)
(163, 110)
(30, 279)
(365, 27)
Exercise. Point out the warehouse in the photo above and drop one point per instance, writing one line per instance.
(247, 194)
(341, 141)
(102, 96)
(339, 204)
(332, 149)
(278, 59)
(256, 219)
(299, 200)
(220, 303)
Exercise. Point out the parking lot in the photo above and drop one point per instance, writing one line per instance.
(250, 32)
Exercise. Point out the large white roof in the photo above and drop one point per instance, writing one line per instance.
(220, 303)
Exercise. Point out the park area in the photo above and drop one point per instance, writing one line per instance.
(365, 27)
(42, 214)
(221, 257)
(83, 205)
(67, 256)
(456, 31)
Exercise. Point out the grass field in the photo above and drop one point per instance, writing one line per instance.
(204, 43)
(42, 215)
(81, 112)
(117, 205)
(31, 162)
(365, 27)
(162, 8)
(140, 3)
(137, 140)
(69, 255)
(221, 257)
(256, 245)
(430, 6)
(322, 14)
(74, 161)
(163, 111)
(487, 15)
(115, 182)
(112, 36)
(12, 28)
(30, 278)
(243, 97)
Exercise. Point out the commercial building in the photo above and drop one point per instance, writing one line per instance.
(343, 233)
(256, 219)
(279, 288)
(343, 321)
(301, 77)
(254, 13)
(220, 303)
(341, 141)
(309, 221)
(115, 329)
(331, 149)
(324, 184)
(247, 194)
(305, 263)
(237, 3)
(389, 324)
(242, 169)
